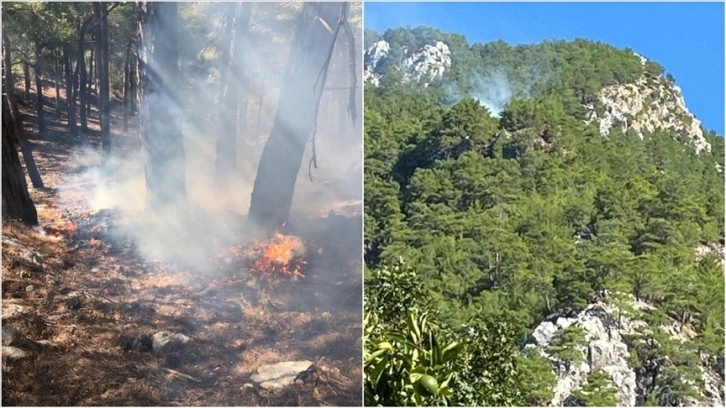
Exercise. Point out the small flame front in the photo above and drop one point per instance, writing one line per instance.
(274, 261)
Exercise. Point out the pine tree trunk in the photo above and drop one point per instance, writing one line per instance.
(127, 72)
(70, 94)
(82, 80)
(57, 89)
(39, 100)
(160, 113)
(26, 75)
(15, 118)
(16, 202)
(295, 117)
(102, 75)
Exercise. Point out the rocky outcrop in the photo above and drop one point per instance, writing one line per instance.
(609, 327)
(423, 66)
(373, 61)
(647, 105)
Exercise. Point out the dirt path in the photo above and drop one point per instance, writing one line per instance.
(85, 303)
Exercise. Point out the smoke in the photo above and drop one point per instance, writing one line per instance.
(493, 91)
(213, 215)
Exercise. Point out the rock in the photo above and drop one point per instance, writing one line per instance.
(278, 375)
(604, 350)
(423, 66)
(14, 353)
(647, 105)
(11, 335)
(12, 310)
(164, 342)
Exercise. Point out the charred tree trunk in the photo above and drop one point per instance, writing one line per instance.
(39, 100)
(102, 97)
(70, 94)
(26, 75)
(296, 115)
(16, 202)
(159, 113)
(15, 119)
(127, 72)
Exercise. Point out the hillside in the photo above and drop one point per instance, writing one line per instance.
(557, 213)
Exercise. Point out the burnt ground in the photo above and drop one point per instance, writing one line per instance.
(81, 295)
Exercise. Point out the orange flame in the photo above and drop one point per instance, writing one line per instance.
(274, 261)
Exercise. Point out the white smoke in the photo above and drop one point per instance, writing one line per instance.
(493, 90)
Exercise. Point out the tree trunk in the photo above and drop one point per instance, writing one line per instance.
(26, 75)
(83, 81)
(39, 100)
(231, 77)
(70, 94)
(295, 117)
(89, 88)
(15, 118)
(160, 112)
(9, 78)
(91, 67)
(127, 69)
(102, 97)
(57, 89)
(16, 202)
(133, 81)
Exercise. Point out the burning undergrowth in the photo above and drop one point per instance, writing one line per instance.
(280, 259)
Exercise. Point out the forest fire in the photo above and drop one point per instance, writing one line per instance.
(274, 261)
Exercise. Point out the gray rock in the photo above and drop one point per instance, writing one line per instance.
(11, 335)
(14, 353)
(278, 375)
(164, 341)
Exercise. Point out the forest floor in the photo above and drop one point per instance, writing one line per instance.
(85, 303)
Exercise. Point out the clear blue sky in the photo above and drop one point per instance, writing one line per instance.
(686, 38)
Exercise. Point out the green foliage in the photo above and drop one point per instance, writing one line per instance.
(412, 358)
(567, 345)
(598, 391)
(537, 373)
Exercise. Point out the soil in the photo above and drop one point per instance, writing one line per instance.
(89, 301)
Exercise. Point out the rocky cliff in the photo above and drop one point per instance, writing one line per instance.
(422, 66)
(648, 105)
(615, 339)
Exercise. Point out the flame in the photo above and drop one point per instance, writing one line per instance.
(274, 261)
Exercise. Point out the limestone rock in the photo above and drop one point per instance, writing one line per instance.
(423, 66)
(278, 375)
(647, 105)
(164, 341)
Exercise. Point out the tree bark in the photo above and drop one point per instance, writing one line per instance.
(26, 75)
(16, 201)
(57, 88)
(83, 80)
(70, 95)
(89, 73)
(39, 100)
(9, 78)
(102, 75)
(126, 84)
(295, 117)
(15, 118)
(160, 110)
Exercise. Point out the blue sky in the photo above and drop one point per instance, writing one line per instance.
(686, 38)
